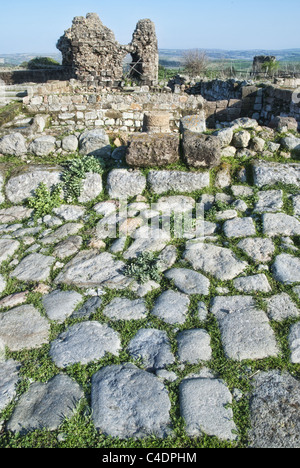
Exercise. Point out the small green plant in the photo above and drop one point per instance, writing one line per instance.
(75, 173)
(143, 268)
(44, 200)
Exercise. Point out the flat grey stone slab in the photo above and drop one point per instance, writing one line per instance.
(122, 183)
(68, 247)
(125, 309)
(281, 307)
(152, 347)
(255, 283)
(9, 377)
(128, 402)
(266, 173)
(89, 268)
(83, 343)
(239, 227)
(14, 213)
(34, 267)
(217, 261)
(280, 224)
(23, 186)
(204, 407)
(171, 307)
(269, 201)
(245, 330)
(259, 249)
(177, 181)
(69, 212)
(194, 346)
(294, 343)
(92, 187)
(274, 411)
(7, 248)
(150, 239)
(23, 328)
(189, 281)
(286, 269)
(60, 305)
(46, 405)
(69, 229)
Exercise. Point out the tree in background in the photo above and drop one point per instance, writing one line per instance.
(195, 62)
(270, 67)
(40, 62)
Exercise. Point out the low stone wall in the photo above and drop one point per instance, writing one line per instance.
(76, 107)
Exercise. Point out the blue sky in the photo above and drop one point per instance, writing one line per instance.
(35, 26)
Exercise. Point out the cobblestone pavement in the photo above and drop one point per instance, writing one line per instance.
(212, 345)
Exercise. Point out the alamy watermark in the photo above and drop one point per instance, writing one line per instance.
(154, 222)
(296, 96)
(3, 97)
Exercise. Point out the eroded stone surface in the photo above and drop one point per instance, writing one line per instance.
(23, 328)
(83, 343)
(153, 348)
(128, 402)
(46, 405)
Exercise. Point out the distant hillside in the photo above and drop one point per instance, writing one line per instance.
(173, 57)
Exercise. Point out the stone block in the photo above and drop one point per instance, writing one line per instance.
(148, 150)
(201, 151)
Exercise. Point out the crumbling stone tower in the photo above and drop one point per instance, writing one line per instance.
(90, 49)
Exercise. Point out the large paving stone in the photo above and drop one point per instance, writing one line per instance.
(128, 402)
(124, 184)
(121, 308)
(68, 247)
(23, 185)
(23, 328)
(147, 239)
(60, 305)
(280, 224)
(194, 346)
(9, 377)
(266, 173)
(204, 405)
(14, 213)
(91, 269)
(92, 187)
(83, 343)
(172, 307)
(269, 201)
(286, 269)
(152, 347)
(34, 267)
(212, 259)
(67, 230)
(177, 181)
(46, 405)
(189, 281)
(255, 283)
(274, 411)
(281, 307)
(245, 330)
(239, 227)
(259, 249)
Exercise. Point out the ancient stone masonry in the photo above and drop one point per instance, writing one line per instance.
(90, 49)
(260, 60)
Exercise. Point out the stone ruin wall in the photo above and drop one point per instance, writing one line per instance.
(70, 105)
(91, 51)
